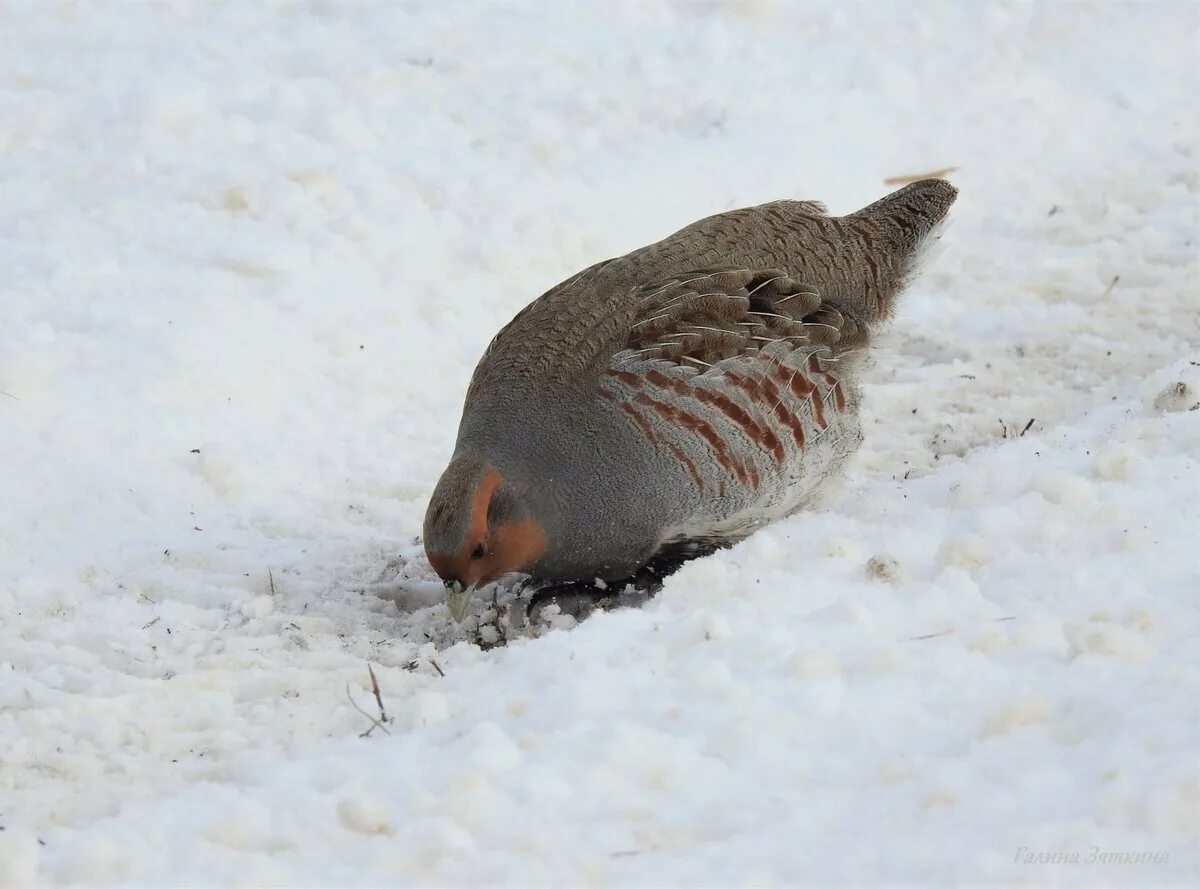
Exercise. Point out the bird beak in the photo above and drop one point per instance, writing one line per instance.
(458, 598)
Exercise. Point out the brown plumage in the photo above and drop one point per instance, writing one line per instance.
(687, 392)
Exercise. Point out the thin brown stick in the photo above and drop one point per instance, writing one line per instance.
(378, 697)
(917, 177)
(930, 635)
(375, 723)
(271, 578)
(949, 631)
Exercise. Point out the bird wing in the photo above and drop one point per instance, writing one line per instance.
(710, 318)
(733, 354)
(841, 280)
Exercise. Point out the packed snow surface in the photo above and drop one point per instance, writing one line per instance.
(249, 255)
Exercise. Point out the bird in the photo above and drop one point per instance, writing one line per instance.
(673, 400)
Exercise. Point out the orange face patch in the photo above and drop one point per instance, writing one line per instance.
(514, 546)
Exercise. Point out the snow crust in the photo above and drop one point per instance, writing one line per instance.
(249, 254)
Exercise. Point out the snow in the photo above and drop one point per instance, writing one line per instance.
(250, 255)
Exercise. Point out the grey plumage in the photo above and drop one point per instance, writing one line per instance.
(693, 389)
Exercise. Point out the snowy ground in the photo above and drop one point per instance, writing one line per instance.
(249, 254)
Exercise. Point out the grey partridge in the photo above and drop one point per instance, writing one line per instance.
(682, 395)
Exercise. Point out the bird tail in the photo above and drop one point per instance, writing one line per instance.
(910, 220)
(880, 249)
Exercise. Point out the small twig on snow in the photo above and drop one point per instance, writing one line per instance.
(378, 696)
(948, 632)
(412, 666)
(375, 723)
(271, 579)
(1005, 432)
(930, 635)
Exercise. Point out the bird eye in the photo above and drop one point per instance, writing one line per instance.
(479, 552)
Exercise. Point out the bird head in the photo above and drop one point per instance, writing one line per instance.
(478, 528)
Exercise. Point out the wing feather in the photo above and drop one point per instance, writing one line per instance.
(713, 317)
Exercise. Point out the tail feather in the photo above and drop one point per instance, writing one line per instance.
(881, 247)
(909, 218)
